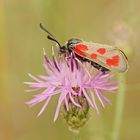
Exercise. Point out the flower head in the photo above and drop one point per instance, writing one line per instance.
(78, 85)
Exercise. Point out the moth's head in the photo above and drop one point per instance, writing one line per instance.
(73, 41)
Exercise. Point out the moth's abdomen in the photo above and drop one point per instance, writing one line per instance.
(97, 66)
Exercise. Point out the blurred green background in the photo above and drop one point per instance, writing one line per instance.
(21, 42)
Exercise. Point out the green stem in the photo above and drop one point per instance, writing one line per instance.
(119, 107)
(76, 135)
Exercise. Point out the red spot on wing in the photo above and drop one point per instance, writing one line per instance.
(79, 52)
(114, 61)
(116, 58)
(93, 56)
(80, 48)
(101, 51)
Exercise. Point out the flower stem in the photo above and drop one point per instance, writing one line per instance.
(76, 135)
(119, 107)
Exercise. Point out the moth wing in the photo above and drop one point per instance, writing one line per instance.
(107, 56)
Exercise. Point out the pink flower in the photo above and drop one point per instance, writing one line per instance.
(70, 79)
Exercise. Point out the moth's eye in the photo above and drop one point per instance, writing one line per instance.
(73, 41)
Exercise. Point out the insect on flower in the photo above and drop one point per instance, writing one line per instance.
(104, 57)
(77, 92)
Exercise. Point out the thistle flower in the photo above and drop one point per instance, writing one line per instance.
(77, 89)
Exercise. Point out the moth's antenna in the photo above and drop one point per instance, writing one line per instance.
(50, 36)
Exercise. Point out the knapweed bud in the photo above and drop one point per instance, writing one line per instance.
(76, 117)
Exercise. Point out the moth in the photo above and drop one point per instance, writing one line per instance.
(101, 56)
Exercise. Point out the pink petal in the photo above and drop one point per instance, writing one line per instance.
(94, 102)
(73, 101)
(66, 103)
(35, 78)
(37, 85)
(88, 99)
(43, 77)
(44, 106)
(31, 90)
(107, 88)
(104, 96)
(61, 98)
(96, 92)
(39, 98)
(46, 94)
(29, 83)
